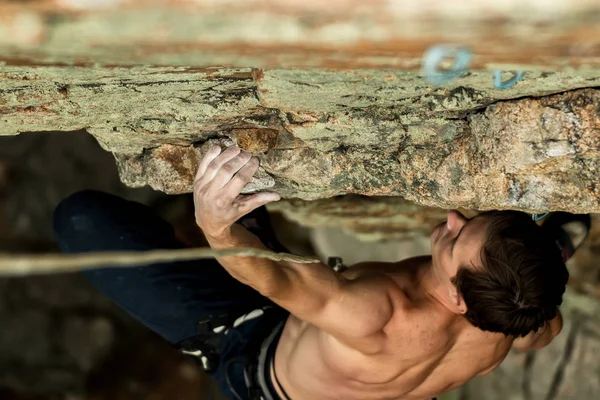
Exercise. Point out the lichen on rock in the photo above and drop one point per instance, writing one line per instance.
(320, 134)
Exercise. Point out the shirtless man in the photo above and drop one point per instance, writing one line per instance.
(408, 330)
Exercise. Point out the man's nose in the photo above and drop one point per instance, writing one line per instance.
(455, 220)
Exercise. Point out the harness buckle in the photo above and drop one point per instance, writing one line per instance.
(206, 355)
(213, 324)
(336, 264)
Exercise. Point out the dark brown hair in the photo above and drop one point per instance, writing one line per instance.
(522, 280)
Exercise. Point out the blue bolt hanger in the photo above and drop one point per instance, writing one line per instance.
(539, 217)
(498, 84)
(434, 56)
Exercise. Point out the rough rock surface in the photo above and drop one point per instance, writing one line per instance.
(321, 134)
(330, 95)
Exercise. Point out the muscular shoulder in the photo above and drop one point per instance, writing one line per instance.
(420, 330)
(402, 270)
(417, 318)
(406, 317)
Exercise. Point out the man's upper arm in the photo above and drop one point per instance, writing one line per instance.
(538, 340)
(353, 311)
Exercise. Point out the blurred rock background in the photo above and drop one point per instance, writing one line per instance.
(59, 337)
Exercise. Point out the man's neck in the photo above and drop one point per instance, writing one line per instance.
(431, 285)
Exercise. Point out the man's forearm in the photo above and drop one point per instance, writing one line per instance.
(265, 276)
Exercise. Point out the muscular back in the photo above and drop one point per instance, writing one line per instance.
(426, 349)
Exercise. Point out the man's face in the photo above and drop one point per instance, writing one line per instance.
(455, 243)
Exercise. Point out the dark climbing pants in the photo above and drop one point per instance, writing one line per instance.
(169, 298)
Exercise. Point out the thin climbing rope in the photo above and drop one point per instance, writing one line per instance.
(27, 264)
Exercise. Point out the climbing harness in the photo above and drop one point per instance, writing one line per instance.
(336, 264)
(266, 360)
(211, 331)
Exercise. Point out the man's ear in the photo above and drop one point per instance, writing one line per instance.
(462, 306)
(458, 302)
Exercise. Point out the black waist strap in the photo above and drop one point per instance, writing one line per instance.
(266, 357)
(271, 364)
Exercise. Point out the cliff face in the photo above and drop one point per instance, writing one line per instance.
(325, 133)
(332, 96)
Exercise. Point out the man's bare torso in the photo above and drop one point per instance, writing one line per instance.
(427, 351)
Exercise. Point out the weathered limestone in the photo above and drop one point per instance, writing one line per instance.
(321, 134)
(350, 112)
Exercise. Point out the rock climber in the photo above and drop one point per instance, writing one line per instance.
(410, 330)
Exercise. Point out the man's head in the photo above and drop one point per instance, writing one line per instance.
(501, 270)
